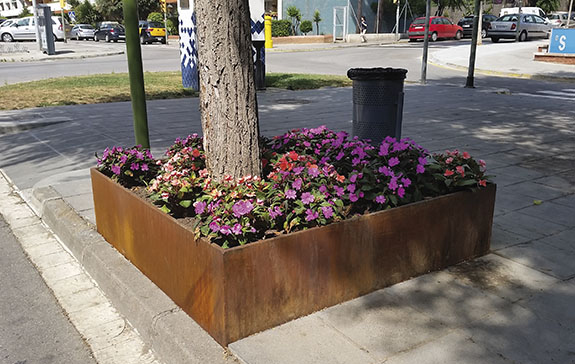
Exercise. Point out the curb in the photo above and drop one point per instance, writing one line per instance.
(13, 126)
(170, 332)
(433, 61)
(47, 58)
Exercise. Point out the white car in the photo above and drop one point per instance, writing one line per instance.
(558, 19)
(25, 29)
(83, 31)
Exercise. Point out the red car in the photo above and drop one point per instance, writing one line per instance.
(439, 27)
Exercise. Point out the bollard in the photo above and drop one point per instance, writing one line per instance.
(268, 31)
(377, 102)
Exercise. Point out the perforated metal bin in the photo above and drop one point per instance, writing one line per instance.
(377, 102)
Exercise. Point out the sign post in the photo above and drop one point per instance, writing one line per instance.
(62, 5)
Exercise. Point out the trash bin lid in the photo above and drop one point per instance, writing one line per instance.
(378, 73)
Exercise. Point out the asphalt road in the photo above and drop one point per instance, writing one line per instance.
(33, 328)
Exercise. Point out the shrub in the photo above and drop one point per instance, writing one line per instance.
(281, 28)
(156, 17)
(306, 27)
(312, 177)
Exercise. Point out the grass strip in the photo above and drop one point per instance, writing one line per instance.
(115, 87)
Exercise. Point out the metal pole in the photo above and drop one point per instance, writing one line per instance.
(397, 22)
(166, 21)
(518, 22)
(35, 12)
(472, 54)
(425, 43)
(62, 3)
(569, 15)
(136, 73)
(480, 26)
(377, 17)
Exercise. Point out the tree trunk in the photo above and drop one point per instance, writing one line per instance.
(359, 14)
(379, 16)
(228, 102)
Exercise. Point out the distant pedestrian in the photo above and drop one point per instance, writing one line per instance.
(363, 29)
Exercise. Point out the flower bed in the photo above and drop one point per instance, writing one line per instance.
(241, 267)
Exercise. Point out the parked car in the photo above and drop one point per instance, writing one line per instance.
(110, 32)
(558, 19)
(466, 23)
(25, 29)
(530, 26)
(151, 31)
(83, 31)
(439, 28)
(524, 10)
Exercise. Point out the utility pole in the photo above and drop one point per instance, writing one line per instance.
(425, 43)
(62, 5)
(378, 15)
(480, 26)
(35, 12)
(472, 54)
(518, 22)
(136, 73)
(397, 20)
(569, 14)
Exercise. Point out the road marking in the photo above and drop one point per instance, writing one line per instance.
(570, 98)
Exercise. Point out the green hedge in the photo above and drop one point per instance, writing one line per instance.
(281, 28)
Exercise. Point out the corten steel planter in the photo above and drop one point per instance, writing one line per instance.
(233, 293)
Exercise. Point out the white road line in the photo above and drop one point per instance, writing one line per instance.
(544, 96)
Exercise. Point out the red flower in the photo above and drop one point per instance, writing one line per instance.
(460, 170)
(195, 153)
(466, 155)
(483, 183)
(293, 155)
(448, 173)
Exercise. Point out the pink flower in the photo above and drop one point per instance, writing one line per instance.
(144, 167)
(314, 172)
(351, 188)
(383, 149)
(448, 173)
(406, 182)
(241, 208)
(380, 199)
(400, 192)
(214, 226)
(420, 169)
(327, 211)
(124, 159)
(339, 156)
(482, 183)
(448, 160)
(460, 170)
(291, 194)
(311, 215)
(422, 160)
(297, 184)
(199, 207)
(307, 198)
(392, 185)
(338, 190)
(116, 169)
(225, 230)
(353, 197)
(237, 229)
(466, 155)
(134, 166)
(482, 163)
(393, 161)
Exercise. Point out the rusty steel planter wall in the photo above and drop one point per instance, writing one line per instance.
(233, 293)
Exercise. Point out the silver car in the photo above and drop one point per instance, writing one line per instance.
(25, 29)
(83, 31)
(530, 26)
(558, 19)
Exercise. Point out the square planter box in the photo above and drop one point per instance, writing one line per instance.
(233, 293)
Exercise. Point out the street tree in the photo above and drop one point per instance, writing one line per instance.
(359, 14)
(228, 103)
(86, 13)
(113, 9)
(306, 27)
(295, 17)
(316, 20)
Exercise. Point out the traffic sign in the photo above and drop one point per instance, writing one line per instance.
(72, 15)
(562, 41)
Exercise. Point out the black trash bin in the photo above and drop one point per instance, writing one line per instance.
(377, 102)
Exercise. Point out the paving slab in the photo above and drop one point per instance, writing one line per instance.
(552, 212)
(501, 238)
(525, 225)
(307, 340)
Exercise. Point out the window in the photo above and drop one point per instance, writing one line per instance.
(538, 19)
(435, 21)
(446, 21)
(23, 22)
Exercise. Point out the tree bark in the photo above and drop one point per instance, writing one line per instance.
(228, 102)
(359, 14)
(379, 16)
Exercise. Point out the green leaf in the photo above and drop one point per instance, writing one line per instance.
(537, 202)
(339, 203)
(185, 203)
(165, 209)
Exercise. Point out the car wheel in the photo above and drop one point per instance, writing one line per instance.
(434, 37)
(523, 36)
(163, 41)
(107, 38)
(483, 33)
(494, 39)
(458, 35)
(6, 37)
(412, 39)
(77, 37)
(142, 40)
(96, 38)
(115, 41)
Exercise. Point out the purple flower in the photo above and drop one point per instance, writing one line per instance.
(393, 161)
(291, 194)
(311, 215)
(275, 212)
(400, 192)
(124, 158)
(338, 190)
(355, 161)
(116, 169)
(237, 229)
(339, 156)
(298, 170)
(327, 211)
(297, 184)
(105, 154)
(422, 160)
(380, 199)
(199, 207)
(314, 172)
(406, 182)
(307, 198)
(393, 183)
(351, 188)
(214, 226)
(139, 155)
(383, 149)
(353, 178)
(144, 167)
(353, 197)
(134, 166)
(322, 189)
(225, 229)
(420, 168)
(241, 208)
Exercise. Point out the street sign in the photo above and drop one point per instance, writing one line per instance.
(72, 15)
(562, 41)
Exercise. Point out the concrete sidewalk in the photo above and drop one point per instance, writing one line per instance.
(509, 59)
(29, 51)
(511, 306)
